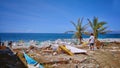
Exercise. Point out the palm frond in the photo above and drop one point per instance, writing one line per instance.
(104, 32)
(90, 23)
(101, 24)
(85, 27)
(86, 33)
(98, 27)
(95, 21)
(79, 29)
(102, 29)
(74, 36)
(82, 20)
(74, 24)
(78, 23)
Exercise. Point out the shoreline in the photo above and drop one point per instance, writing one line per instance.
(106, 39)
(64, 40)
(71, 42)
(41, 37)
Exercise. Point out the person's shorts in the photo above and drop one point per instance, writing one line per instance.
(91, 44)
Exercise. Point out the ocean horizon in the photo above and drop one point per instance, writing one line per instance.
(45, 36)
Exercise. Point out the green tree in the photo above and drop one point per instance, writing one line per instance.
(80, 30)
(98, 27)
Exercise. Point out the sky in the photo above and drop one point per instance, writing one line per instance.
(54, 16)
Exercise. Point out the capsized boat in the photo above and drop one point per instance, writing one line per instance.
(31, 63)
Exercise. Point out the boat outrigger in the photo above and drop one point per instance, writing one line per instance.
(31, 63)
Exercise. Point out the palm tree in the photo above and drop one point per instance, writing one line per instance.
(80, 30)
(98, 27)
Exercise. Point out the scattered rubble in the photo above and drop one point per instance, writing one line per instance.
(50, 57)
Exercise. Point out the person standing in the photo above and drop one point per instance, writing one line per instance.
(91, 41)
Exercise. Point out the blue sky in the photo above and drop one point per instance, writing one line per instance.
(54, 16)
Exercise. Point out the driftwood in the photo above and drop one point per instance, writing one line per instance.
(49, 51)
(56, 61)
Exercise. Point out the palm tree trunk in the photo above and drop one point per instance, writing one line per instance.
(80, 40)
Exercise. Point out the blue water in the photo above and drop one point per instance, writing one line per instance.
(44, 36)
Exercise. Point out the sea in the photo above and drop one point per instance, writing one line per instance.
(45, 36)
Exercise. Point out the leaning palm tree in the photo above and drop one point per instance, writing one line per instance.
(98, 27)
(80, 30)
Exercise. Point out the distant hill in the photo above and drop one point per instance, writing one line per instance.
(112, 32)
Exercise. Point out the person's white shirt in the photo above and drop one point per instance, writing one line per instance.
(91, 39)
